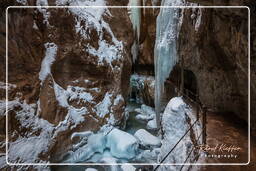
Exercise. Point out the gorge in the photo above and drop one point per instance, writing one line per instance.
(90, 83)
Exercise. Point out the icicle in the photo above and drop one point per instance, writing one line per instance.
(165, 49)
(135, 51)
(135, 16)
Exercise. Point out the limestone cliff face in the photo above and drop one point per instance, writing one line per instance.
(213, 44)
(74, 67)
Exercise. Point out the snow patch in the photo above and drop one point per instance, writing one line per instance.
(103, 107)
(93, 18)
(79, 93)
(50, 54)
(147, 139)
(23, 2)
(43, 10)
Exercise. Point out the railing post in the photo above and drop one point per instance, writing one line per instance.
(197, 107)
(204, 124)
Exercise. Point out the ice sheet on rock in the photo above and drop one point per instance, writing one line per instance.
(147, 139)
(165, 52)
(122, 144)
(103, 107)
(50, 54)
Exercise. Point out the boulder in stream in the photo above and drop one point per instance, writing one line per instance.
(147, 139)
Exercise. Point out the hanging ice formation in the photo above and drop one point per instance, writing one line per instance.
(165, 53)
(135, 16)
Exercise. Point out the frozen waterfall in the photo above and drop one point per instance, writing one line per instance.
(165, 48)
(135, 16)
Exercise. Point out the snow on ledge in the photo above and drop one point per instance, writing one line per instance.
(50, 54)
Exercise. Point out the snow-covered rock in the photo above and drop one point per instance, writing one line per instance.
(146, 113)
(147, 139)
(147, 110)
(151, 125)
(149, 156)
(176, 120)
(144, 117)
(122, 144)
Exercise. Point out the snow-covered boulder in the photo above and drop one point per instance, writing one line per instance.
(151, 125)
(122, 144)
(176, 104)
(146, 113)
(147, 139)
(147, 110)
(143, 117)
(176, 120)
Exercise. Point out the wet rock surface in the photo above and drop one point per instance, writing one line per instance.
(213, 45)
(78, 69)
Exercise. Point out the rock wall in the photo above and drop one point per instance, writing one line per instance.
(73, 67)
(213, 44)
(145, 61)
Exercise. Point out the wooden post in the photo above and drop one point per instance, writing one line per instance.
(204, 124)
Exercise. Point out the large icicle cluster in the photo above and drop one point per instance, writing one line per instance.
(165, 48)
(135, 16)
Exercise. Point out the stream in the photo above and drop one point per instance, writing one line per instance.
(132, 125)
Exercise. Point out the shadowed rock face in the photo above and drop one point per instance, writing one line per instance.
(73, 65)
(213, 44)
